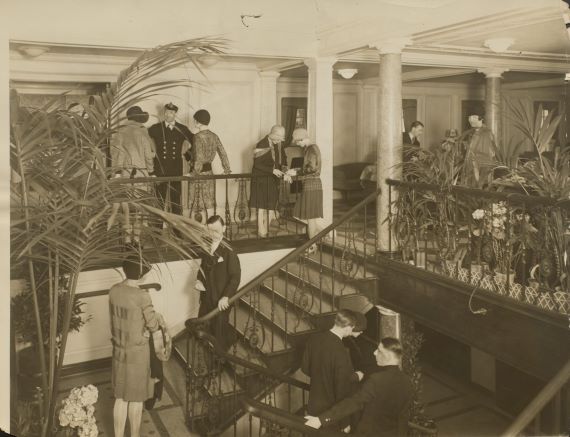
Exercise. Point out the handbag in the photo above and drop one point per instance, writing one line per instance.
(162, 344)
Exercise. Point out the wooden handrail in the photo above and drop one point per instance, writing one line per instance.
(290, 421)
(156, 179)
(287, 259)
(539, 402)
(247, 364)
(475, 192)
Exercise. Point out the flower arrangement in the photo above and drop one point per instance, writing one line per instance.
(78, 410)
(499, 223)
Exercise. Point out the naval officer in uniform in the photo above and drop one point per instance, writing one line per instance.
(173, 144)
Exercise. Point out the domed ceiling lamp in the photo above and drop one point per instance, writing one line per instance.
(347, 73)
(33, 51)
(499, 45)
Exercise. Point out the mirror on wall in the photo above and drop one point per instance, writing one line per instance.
(293, 115)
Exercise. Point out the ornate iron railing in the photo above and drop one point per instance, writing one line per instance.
(217, 382)
(229, 197)
(512, 244)
(271, 316)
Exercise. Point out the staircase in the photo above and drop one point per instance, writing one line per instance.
(271, 317)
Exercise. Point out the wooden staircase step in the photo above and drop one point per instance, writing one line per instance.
(301, 295)
(249, 324)
(274, 312)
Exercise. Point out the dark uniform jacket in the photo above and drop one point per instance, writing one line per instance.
(327, 362)
(411, 148)
(170, 149)
(220, 273)
(384, 399)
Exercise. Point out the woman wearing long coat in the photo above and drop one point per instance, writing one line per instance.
(132, 318)
(269, 165)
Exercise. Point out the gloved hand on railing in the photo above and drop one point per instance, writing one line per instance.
(224, 303)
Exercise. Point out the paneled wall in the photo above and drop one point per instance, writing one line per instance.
(438, 107)
(177, 300)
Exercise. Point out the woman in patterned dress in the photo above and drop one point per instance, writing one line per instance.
(309, 205)
(206, 145)
(132, 317)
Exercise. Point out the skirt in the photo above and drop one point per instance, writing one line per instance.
(130, 376)
(202, 194)
(309, 204)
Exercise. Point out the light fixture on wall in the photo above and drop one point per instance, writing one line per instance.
(33, 51)
(499, 45)
(208, 60)
(246, 19)
(347, 73)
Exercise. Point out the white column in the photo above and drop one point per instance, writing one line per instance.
(320, 122)
(389, 149)
(268, 101)
(493, 114)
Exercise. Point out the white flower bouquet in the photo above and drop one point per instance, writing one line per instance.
(77, 411)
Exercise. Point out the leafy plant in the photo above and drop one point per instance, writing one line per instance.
(61, 197)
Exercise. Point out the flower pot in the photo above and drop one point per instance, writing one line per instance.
(516, 291)
(450, 268)
(546, 301)
(477, 271)
(531, 292)
(463, 274)
(562, 299)
(501, 282)
(420, 259)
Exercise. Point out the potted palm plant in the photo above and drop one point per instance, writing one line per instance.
(61, 197)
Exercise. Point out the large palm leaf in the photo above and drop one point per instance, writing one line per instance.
(62, 194)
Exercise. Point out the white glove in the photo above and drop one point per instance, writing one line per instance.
(287, 178)
(292, 172)
(199, 285)
(313, 422)
(359, 374)
(278, 173)
(223, 303)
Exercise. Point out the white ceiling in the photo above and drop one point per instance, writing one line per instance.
(289, 31)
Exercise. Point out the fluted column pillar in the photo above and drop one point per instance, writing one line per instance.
(320, 122)
(268, 101)
(389, 148)
(493, 78)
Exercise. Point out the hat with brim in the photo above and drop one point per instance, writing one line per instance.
(135, 113)
(171, 107)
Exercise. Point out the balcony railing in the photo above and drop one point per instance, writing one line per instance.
(515, 245)
(228, 196)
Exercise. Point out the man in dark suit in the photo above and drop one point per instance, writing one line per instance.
(327, 362)
(410, 140)
(269, 167)
(218, 280)
(173, 143)
(384, 398)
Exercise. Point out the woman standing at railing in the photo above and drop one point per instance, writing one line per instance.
(309, 205)
(206, 145)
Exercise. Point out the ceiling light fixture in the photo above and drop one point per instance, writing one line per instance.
(347, 73)
(33, 51)
(499, 45)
